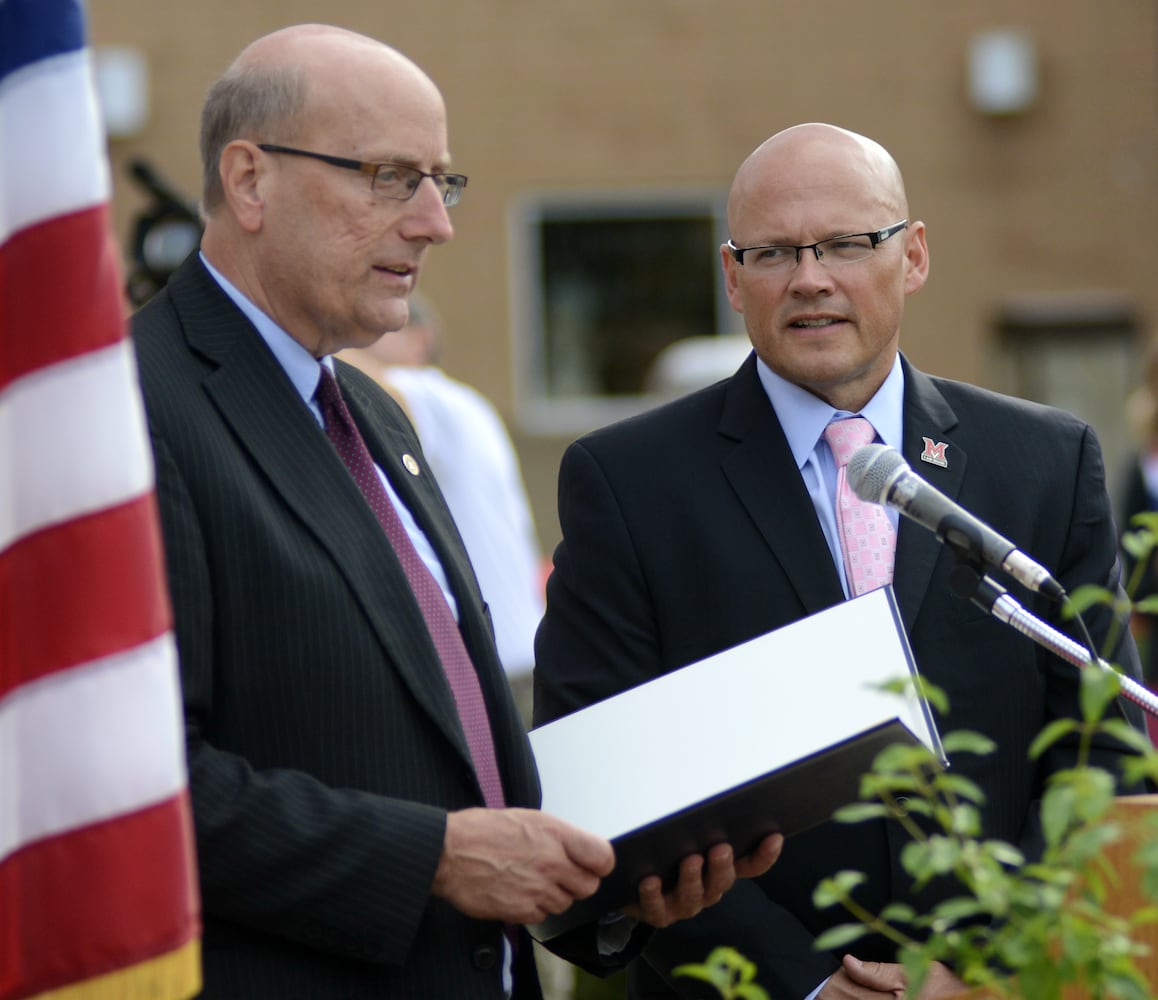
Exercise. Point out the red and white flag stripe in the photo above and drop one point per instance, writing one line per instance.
(97, 886)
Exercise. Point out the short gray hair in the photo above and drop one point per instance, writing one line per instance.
(248, 102)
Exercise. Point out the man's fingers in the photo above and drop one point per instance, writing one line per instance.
(592, 853)
(762, 858)
(883, 976)
(579, 884)
(517, 864)
(652, 906)
(720, 875)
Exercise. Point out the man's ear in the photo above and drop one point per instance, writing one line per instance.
(916, 257)
(242, 169)
(731, 277)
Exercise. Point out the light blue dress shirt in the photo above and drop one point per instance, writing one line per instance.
(804, 417)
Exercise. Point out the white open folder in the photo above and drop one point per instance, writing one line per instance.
(771, 735)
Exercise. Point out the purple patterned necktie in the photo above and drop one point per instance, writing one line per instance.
(868, 539)
(456, 662)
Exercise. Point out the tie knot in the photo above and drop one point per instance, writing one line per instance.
(845, 436)
(329, 398)
(327, 391)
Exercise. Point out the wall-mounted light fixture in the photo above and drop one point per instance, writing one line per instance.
(122, 84)
(1002, 72)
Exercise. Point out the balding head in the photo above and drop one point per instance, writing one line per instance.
(828, 316)
(277, 82)
(296, 137)
(804, 156)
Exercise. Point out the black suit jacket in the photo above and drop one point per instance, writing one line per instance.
(323, 743)
(688, 530)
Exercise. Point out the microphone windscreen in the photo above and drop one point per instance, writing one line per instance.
(870, 470)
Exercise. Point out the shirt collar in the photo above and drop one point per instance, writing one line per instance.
(804, 416)
(300, 366)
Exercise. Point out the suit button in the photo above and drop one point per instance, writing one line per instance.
(485, 957)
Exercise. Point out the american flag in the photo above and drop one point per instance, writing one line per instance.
(98, 894)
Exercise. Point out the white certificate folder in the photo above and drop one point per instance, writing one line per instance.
(771, 735)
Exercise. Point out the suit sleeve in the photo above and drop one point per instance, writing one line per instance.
(339, 870)
(599, 635)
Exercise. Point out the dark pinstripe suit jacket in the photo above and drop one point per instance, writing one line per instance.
(688, 530)
(323, 743)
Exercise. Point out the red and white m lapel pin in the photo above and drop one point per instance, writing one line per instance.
(934, 452)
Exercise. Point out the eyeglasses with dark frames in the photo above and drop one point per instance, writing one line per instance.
(397, 181)
(836, 250)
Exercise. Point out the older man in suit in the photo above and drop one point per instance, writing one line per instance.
(363, 790)
(713, 519)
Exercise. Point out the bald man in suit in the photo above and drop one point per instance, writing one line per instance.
(711, 520)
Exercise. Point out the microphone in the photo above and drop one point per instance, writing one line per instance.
(878, 474)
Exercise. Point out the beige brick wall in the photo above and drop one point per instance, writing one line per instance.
(548, 95)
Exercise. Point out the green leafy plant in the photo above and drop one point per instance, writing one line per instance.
(1018, 928)
(729, 972)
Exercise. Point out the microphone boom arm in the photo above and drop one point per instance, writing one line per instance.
(994, 600)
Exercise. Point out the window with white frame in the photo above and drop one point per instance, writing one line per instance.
(602, 285)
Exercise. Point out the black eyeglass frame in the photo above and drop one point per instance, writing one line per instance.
(451, 193)
(875, 238)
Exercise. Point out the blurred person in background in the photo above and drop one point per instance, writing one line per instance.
(1138, 495)
(473, 459)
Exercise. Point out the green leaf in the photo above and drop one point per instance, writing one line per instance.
(913, 806)
(1099, 688)
(938, 855)
(1004, 853)
(902, 757)
(1147, 520)
(729, 972)
(858, 812)
(881, 785)
(1084, 597)
(1093, 787)
(899, 913)
(836, 889)
(1125, 733)
(692, 971)
(839, 936)
(966, 821)
(967, 741)
(1058, 812)
(960, 786)
(960, 908)
(1050, 735)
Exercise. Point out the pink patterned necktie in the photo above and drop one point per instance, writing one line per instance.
(456, 662)
(868, 539)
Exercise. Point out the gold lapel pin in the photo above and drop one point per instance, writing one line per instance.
(411, 464)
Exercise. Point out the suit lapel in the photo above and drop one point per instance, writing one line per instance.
(778, 504)
(281, 436)
(926, 415)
